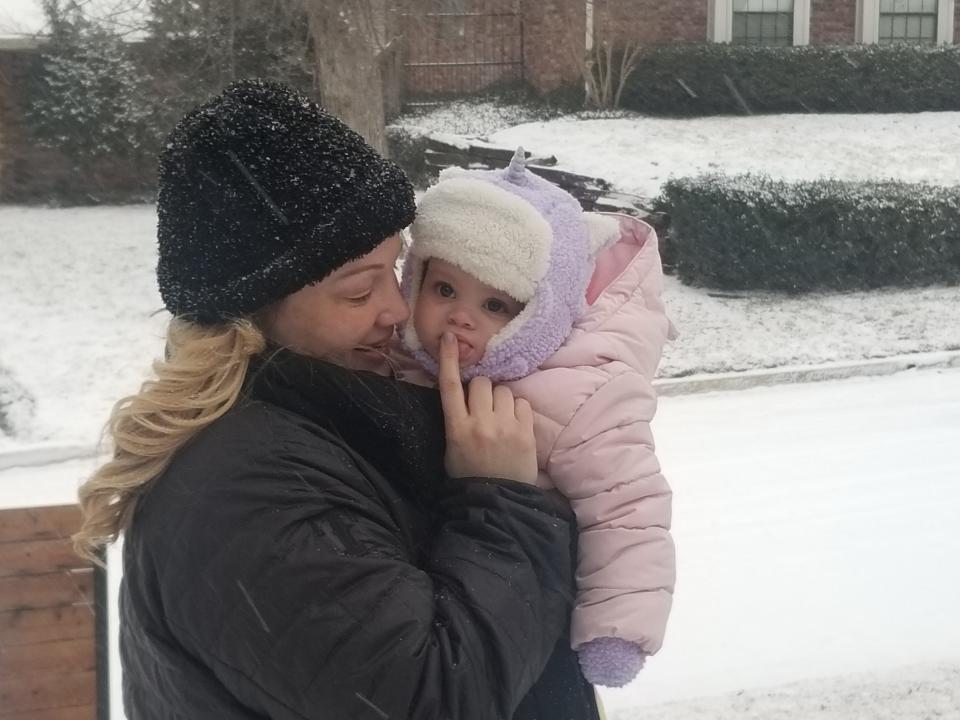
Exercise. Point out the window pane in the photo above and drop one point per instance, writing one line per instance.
(739, 5)
(930, 6)
(913, 27)
(899, 27)
(914, 6)
(928, 28)
(900, 6)
(886, 26)
(739, 27)
(753, 26)
(754, 6)
(886, 6)
(785, 26)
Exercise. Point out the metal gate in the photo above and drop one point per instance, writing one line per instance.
(457, 48)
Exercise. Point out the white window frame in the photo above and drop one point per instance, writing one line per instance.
(868, 21)
(720, 21)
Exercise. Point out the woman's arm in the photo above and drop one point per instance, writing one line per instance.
(318, 612)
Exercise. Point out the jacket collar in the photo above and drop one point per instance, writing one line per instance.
(397, 427)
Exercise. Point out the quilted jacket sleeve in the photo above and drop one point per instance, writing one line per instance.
(311, 608)
(604, 463)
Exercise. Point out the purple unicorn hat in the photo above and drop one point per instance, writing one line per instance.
(516, 232)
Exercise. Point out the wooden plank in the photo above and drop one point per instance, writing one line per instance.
(56, 657)
(23, 627)
(36, 557)
(47, 691)
(51, 590)
(81, 712)
(47, 523)
(444, 160)
(563, 177)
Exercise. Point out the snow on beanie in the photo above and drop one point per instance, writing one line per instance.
(261, 192)
(519, 233)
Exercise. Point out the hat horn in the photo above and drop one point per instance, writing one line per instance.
(517, 167)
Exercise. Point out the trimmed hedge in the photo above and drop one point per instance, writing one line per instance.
(750, 232)
(690, 80)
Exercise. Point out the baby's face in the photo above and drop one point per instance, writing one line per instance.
(450, 299)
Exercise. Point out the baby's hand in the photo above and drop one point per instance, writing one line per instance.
(610, 661)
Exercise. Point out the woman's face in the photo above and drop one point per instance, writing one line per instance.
(349, 317)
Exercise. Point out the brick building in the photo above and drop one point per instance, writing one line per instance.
(464, 45)
(461, 47)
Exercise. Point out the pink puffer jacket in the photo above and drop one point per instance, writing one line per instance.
(594, 402)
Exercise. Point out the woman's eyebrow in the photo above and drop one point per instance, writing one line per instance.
(364, 268)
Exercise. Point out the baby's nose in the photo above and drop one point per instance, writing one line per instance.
(461, 318)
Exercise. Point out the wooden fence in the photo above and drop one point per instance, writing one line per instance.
(49, 619)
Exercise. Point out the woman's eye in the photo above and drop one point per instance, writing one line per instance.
(444, 290)
(360, 299)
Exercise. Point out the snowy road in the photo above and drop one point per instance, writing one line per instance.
(818, 531)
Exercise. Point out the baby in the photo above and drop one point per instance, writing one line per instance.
(565, 307)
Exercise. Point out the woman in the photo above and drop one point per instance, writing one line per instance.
(300, 539)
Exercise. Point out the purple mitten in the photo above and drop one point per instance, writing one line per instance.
(610, 661)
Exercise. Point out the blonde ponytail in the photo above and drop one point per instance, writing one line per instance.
(200, 380)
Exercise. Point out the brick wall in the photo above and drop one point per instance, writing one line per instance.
(32, 173)
(833, 22)
(956, 25)
(48, 663)
(652, 22)
(552, 28)
(486, 42)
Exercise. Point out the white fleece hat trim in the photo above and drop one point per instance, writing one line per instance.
(487, 231)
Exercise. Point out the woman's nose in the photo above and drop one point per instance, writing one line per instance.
(397, 310)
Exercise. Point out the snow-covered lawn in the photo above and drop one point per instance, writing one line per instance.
(80, 326)
(77, 329)
(638, 154)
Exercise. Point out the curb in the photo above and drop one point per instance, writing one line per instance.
(44, 455)
(715, 382)
(665, 387)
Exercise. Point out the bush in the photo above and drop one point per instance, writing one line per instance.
(406, 146)
(753, 233)
(691, 80)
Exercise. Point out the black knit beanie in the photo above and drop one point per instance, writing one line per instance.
(262, 193)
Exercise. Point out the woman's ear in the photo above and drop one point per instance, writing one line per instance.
(602, 231)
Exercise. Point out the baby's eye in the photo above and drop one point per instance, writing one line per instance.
(445, 290)
(496, 306)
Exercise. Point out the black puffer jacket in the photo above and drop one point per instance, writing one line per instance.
(305, 557)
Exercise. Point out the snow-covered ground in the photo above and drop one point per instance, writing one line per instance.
(80, 322)
(78, 327)
(816, 526)
(638, 154)
(20, 18)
